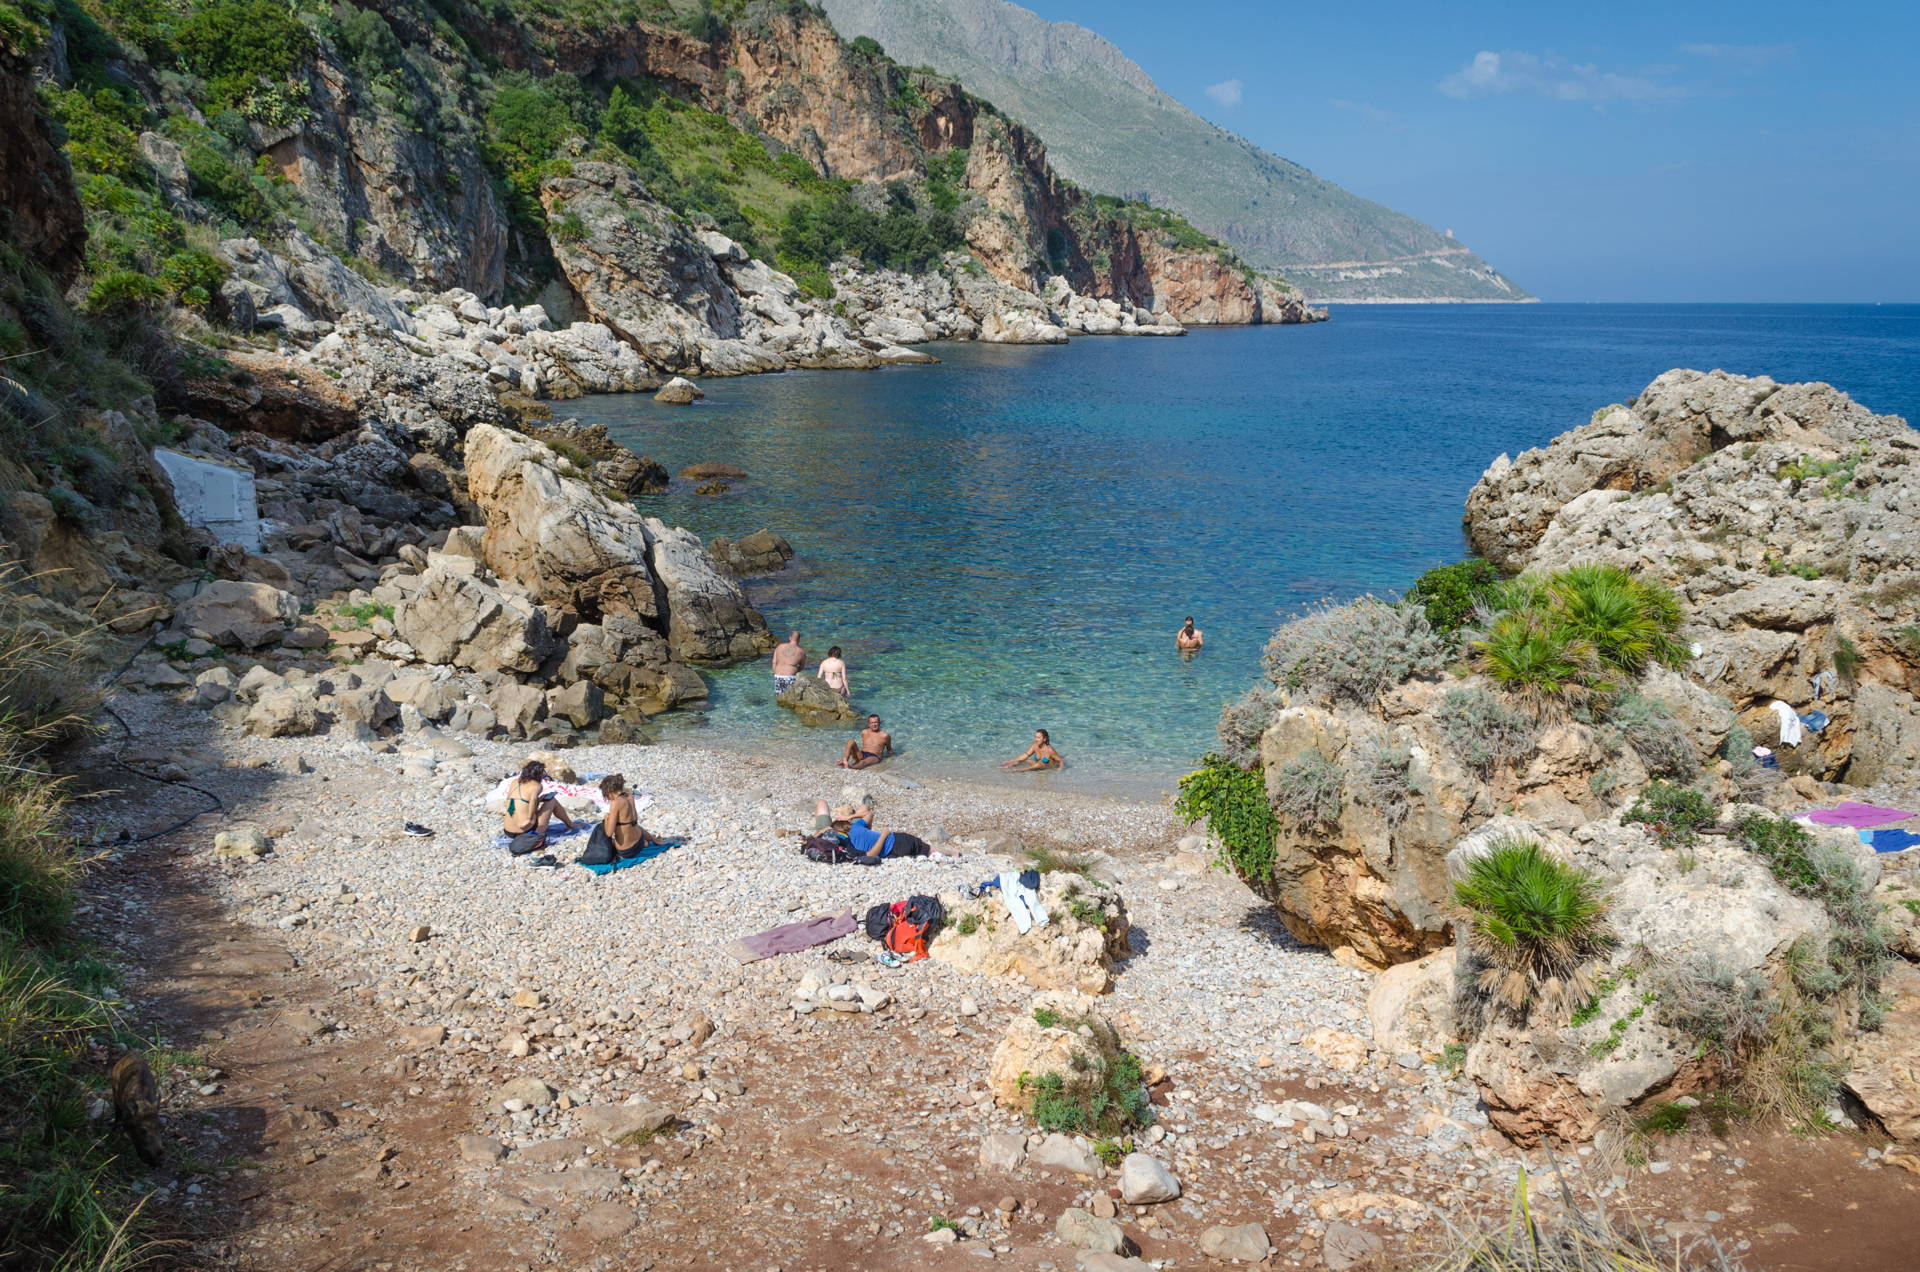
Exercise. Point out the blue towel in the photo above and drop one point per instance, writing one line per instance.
(1814, 720)
(1894, 840)
(645, 854)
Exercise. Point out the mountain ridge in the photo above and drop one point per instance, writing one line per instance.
(1109, 127)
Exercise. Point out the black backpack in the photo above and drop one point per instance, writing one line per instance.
(879, 921)
(831, 850)
(599, 850)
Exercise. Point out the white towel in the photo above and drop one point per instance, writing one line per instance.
(1791, 730)
(1015, 903)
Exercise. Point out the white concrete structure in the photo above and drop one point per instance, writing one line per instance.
(215, 495)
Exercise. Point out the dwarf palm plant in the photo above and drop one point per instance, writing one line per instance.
(1536, 922)
(1629, 622)
(1538, 662)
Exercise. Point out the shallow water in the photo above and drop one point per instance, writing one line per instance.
(1008, 540)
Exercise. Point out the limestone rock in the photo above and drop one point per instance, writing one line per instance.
(1086, 933)
(615, 1122)
(809, 698)
(238, 615)
(1078, 1228)
(1065, 1153)
(1884, 1069)
(761, 552)
(1145, 1182)
(679, 391)
(456, 618)
(480, 1150)
(1339, 1049)
(241, 841)
(1242, 1243)
(1343, 1245)
(1078, 1046)
(1411, 1006)
(281, 713)
(532, 1091)
(1003, 1152)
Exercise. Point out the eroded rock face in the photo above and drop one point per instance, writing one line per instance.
(458, 619)
(1787, 518)
(1884, 1069)
(36, 189)
(570, 547)
(1718, 911)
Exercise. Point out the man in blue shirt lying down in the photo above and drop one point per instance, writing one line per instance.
(867, 839)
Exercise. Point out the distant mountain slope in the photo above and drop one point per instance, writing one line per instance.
(1108, 127)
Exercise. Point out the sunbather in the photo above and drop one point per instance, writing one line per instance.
(1037, 757)
(622, 822)
(530, 809)
(857, 825)
(872, 746)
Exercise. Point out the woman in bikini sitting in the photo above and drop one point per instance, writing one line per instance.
(1040, 756)
(622, 822)
(529, 808)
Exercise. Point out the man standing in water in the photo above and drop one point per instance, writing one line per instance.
(789, 660)
(1187, 639)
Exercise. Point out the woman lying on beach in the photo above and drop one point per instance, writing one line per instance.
(529, 808)
(1040, 755)
(622, 822)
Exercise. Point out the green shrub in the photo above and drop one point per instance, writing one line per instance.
(1535, 921)
(1384, 779)
(1656, 737)
(1117, 1105)
(101, 131)
(1233, 802)
(1355, 651)
(1858, 944)
(1847, 659)
(185, 271)
(368, 41)
(867, 46)
(1675, 814)
(1484, 732)
(1538, 663)
(1628, 622)
(1242, 723)
(240, 47)
(124, 290)
(1449, 593)
(1309, 791)
(1046, 1017)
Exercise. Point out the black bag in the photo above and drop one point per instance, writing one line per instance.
(925, 912)
(530, 841)
(599, 849)
(831, 850)
(879, 921)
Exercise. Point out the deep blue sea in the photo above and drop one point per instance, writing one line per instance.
(1007, 541)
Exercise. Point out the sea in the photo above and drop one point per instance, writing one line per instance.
(1008, 540)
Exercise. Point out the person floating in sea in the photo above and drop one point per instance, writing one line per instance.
(789, 660)
(833, 671)
(1189, 637)
(872, 746)
(1040, 755)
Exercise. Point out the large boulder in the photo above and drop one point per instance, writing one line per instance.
(1063, 1034)
(1086, 932)
(238, 615)
(810, 698)
(571, 547)
(761, 552)
(1411, 1006)
(455, 617)
(1883, 1073)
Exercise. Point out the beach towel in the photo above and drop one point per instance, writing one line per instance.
(564, 790)
(1894, 840)
(645, 854)
(791, 938)
(1858, 816)
(1814, 721)
(1791, 730)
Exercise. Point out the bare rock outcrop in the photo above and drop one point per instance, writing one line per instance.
(599, 559)
(1086, 933)
(1787, 517)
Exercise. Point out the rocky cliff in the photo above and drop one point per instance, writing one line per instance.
(1688, 570)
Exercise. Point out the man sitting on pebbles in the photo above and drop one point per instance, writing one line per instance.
(856, 823)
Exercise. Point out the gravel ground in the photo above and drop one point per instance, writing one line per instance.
(602, 987)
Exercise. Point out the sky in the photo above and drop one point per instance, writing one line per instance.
(1678, 151)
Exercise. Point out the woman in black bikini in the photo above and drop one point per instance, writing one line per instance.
(529, 808)
(622, 822)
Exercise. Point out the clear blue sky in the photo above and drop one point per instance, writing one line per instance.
(1678, 151)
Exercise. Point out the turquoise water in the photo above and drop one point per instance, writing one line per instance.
(1007, 541)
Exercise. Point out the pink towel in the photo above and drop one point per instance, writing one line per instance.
(1858, 816)
(791, 938)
